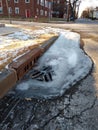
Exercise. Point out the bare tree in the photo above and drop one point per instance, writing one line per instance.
(72, 9)
(8, 11)
(88, 13)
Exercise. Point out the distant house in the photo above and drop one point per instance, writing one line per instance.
(25, 8)
(93, 14)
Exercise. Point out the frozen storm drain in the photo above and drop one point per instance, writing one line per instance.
(61, 67)
(44, 74)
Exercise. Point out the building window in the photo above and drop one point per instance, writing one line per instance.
(38, 2)
(16, 1)
(1, 8)
(46, 3)
(10, 10)
(42, 2)
(27, 1)
(46, 13)
(16, 10)
(49, 5)
(41, 12)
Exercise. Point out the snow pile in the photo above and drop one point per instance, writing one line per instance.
(28, 34)
(20, 35)
(69, 63)
(49, 30)
(20, 42)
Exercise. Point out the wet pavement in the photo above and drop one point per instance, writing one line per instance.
(77, 109)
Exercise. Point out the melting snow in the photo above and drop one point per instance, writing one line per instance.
(20, 35)
(69, 63)
(17, 43)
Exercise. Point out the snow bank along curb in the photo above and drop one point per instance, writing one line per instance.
(16, 70)
(20, 41)
(69, 63)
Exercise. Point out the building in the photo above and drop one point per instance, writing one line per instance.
(59, 8)
(25, 8)
(93, 13)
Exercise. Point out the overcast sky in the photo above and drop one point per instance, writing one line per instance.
(87, 3)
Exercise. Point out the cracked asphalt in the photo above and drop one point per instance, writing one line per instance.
(77, 109)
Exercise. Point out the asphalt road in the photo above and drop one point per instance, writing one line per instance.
(77, 109)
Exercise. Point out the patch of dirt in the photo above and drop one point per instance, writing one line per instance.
(29, 27)
(88, 35)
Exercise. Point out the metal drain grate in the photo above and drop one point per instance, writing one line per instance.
(44, 74)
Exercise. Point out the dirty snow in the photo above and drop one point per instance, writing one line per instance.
(69, 63)
(17, 43)
(20, 35)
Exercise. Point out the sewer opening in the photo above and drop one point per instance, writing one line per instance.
(44, 74)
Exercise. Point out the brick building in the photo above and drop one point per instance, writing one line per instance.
(25, 8)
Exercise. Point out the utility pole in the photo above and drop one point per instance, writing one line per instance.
(8, 11)
(68, 10)
(50, 9)
(71, 8)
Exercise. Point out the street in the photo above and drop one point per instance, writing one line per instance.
(77, 109)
